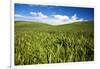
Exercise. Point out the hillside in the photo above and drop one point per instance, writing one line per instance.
(36, 26)
(39, 43)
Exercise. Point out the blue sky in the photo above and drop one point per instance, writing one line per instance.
(54, 15)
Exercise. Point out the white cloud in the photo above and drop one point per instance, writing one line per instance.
(52, 19)
(42, 15)
(38, 14)
(33, 13)
(80, 20)
(18, 15)
(74, 17)
(22, 17)
(61, 17)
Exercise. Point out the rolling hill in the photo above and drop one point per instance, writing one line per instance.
(36, 26)
(40, 43)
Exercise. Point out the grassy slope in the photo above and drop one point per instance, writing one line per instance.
(74, 27)
(38, 43)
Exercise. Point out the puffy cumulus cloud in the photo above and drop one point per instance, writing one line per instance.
(38, 14)
(33, 13)
(42, 15)
(74, 17)
(61, 17)
(52, 19)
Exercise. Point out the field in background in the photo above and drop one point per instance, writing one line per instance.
(40, 43)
